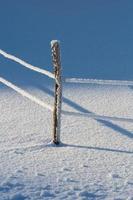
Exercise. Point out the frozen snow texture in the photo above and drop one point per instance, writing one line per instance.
(25, 64)
(94, 162)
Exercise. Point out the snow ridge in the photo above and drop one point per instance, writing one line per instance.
(95, 81)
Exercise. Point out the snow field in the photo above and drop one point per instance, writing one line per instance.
(95, 159)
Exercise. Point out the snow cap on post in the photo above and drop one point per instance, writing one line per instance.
(54, 42)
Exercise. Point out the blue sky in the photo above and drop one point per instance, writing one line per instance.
(96, 35)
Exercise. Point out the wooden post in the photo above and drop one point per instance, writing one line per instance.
(58, 91)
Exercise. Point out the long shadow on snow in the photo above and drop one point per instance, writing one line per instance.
(22, 150)
(31, 78)
(84, 110)
(99, 148)
(116, 128)
(65, 100)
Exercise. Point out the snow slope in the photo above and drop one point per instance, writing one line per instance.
(95, 159)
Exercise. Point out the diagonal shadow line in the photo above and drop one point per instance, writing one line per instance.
(92, 115)
(99, 148)
(42, 147)
(116, 127)
(65, 100)
(79, 108)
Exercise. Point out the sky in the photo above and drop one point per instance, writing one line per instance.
(96, 36)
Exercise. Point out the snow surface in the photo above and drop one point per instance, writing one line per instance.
(95, 159)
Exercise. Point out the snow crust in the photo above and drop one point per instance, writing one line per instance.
(95, 159)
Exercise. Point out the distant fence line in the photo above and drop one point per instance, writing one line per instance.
(99, 82)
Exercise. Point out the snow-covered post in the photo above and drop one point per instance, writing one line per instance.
(58, 91)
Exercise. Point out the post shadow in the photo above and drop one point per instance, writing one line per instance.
(47, 144)
(79, 108)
